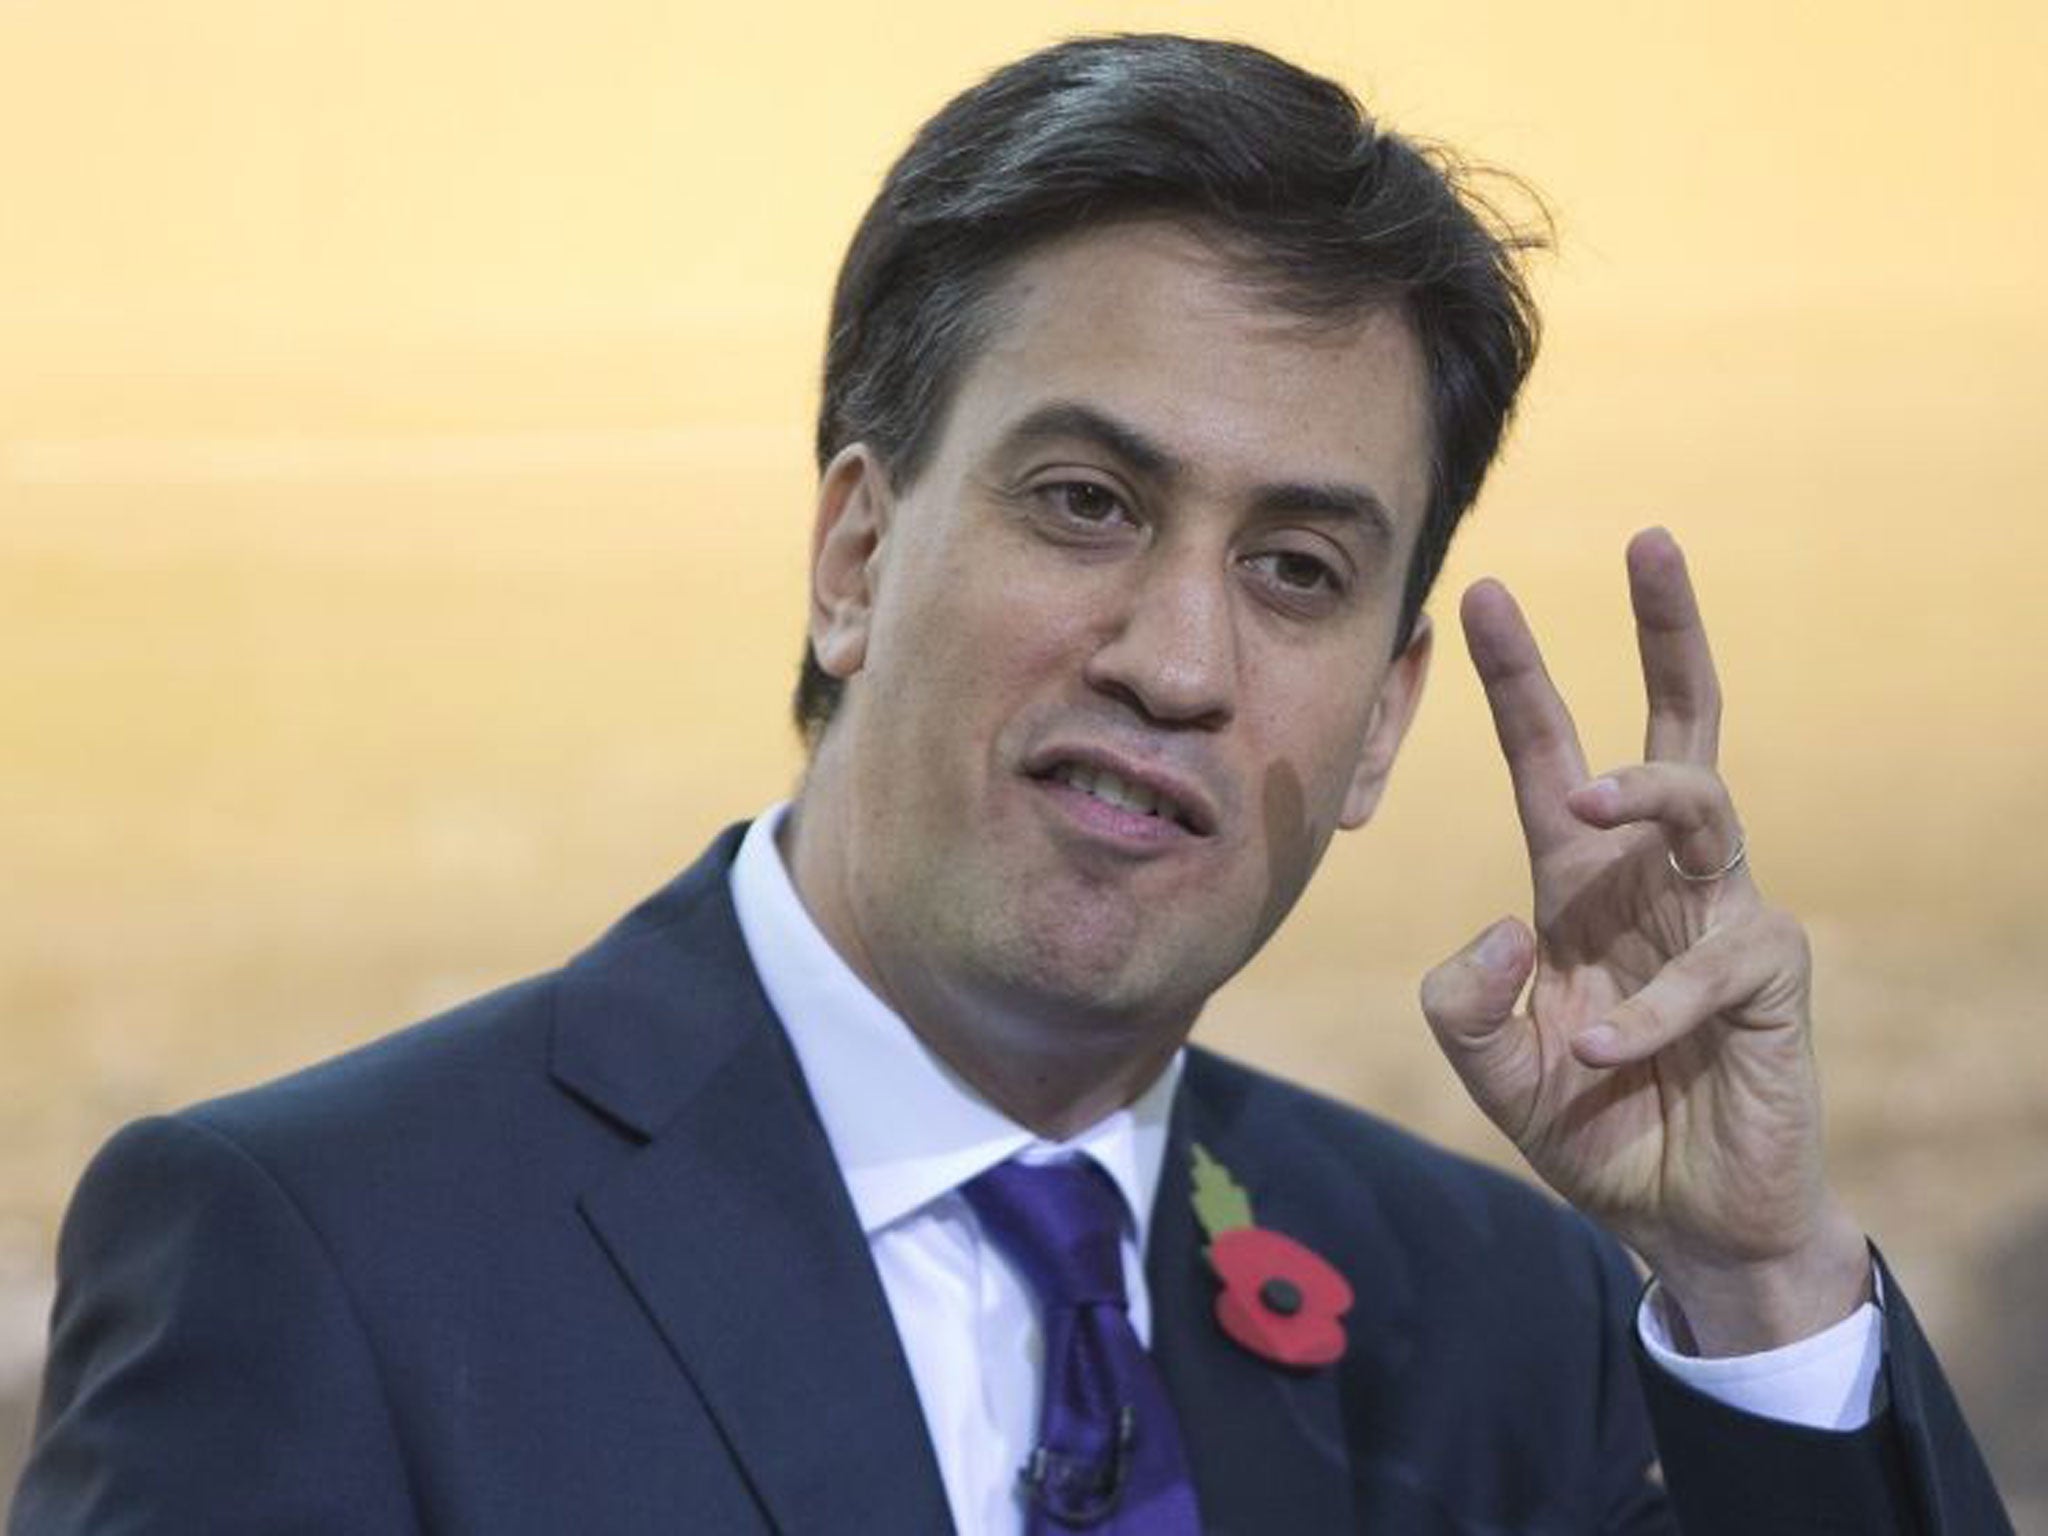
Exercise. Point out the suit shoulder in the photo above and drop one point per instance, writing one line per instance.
(426, 1067)
(416, 1130)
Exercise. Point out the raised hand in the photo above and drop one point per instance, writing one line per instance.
(1662, 1076)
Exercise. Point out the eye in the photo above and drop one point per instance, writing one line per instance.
(1296, 573)
(1083, 502)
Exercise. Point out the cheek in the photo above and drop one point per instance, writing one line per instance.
(960, 648)
(991, 616)
(1291, 845)
(1305, 774)
(1309, 729)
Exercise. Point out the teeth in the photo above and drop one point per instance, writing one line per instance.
(1112, 790)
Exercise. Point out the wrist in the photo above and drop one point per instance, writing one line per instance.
(1717, 1307)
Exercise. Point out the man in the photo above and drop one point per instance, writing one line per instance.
(862, 1180)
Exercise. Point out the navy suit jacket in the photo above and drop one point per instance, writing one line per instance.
(576, 1257)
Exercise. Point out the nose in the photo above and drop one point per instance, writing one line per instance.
(1171, 649)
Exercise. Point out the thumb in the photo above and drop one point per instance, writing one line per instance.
(1469, 1001)
(1470, 998)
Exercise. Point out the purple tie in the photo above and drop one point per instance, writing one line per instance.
(1109, 1456)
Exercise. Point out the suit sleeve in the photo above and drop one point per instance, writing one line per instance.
(1629, 1498)
(207, 1370)
(1914, 1470)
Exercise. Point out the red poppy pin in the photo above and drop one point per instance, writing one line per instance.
(1279, 1300)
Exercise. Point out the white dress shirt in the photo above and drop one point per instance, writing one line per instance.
(908, 1132)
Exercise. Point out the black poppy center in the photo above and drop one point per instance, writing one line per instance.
(1281, 1296)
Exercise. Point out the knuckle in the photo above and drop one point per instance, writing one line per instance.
(1700, 798)
(1694, 805)
(1787, 934)
(1668, 720)
(1718, 792)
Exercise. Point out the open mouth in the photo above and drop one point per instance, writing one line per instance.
(1113, 789)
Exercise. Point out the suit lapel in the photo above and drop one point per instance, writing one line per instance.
(731, 1223)
(1269, 1445)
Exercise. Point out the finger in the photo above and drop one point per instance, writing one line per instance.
(1469, 1001)
(1471, 996)
(1728, 968)
(1678, 667)
(1688, 803)
(1536, 733)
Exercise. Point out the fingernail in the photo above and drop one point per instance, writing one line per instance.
(1498, 950)
(1601, 1040)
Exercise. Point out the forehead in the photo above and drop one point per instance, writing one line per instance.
(1150, 323)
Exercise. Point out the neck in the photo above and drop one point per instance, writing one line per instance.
(1052, 1093)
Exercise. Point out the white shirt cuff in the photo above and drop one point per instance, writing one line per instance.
(1824, 1381)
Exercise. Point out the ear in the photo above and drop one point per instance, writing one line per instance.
(852, 516)
(1400, 692)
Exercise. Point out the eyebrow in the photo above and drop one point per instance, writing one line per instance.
(1068, 420)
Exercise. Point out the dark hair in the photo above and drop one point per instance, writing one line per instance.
(1319, 207)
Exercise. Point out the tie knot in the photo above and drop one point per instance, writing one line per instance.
(1061, 1223)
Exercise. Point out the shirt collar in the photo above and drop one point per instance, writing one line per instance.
(904, 1127)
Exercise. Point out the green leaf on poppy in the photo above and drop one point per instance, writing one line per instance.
(1220, 1201)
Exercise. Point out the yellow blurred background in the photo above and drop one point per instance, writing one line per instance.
(403, 486)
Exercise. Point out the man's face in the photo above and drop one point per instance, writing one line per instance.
(1117, 662)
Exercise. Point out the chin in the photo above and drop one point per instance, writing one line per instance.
(1101, 968)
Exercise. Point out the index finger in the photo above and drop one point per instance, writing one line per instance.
(1683, 694)
(1537, 736)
